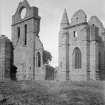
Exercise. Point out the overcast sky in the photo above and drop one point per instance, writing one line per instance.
(51, 12)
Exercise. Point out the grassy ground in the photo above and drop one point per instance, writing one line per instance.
(51, 93)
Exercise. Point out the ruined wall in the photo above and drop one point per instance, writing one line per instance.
(26, 42)
(5, 58)
(89, 39)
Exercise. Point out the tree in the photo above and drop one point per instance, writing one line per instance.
(47, 57)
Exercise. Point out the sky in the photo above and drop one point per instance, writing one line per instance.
(51, 13)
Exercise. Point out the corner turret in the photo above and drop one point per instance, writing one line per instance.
(64, 21)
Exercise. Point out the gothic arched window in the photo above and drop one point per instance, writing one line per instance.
(77, 58)
(25, 32)
(18, 32)
(38, 59)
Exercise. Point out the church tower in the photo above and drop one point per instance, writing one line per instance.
(81, 48)
(28, 49)
(64, 48)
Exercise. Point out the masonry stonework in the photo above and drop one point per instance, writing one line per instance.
(28, 49)
(22, 59)
(81, 48)
(5, 58)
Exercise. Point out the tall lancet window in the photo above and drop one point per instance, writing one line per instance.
(38, 59)
(25, 34)
(18, 32)
(77, 58)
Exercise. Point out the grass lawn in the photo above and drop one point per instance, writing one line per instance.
(52, 93)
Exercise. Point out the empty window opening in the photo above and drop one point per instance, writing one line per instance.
(75, 34)
(38, 59)
(18, 32)
(25, 40)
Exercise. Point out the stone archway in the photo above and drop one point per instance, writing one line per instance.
(77, 58)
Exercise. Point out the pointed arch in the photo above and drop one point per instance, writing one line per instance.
(18, 32)
(79, 17)
(77, 58)
(38, 59)
(25, 34)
